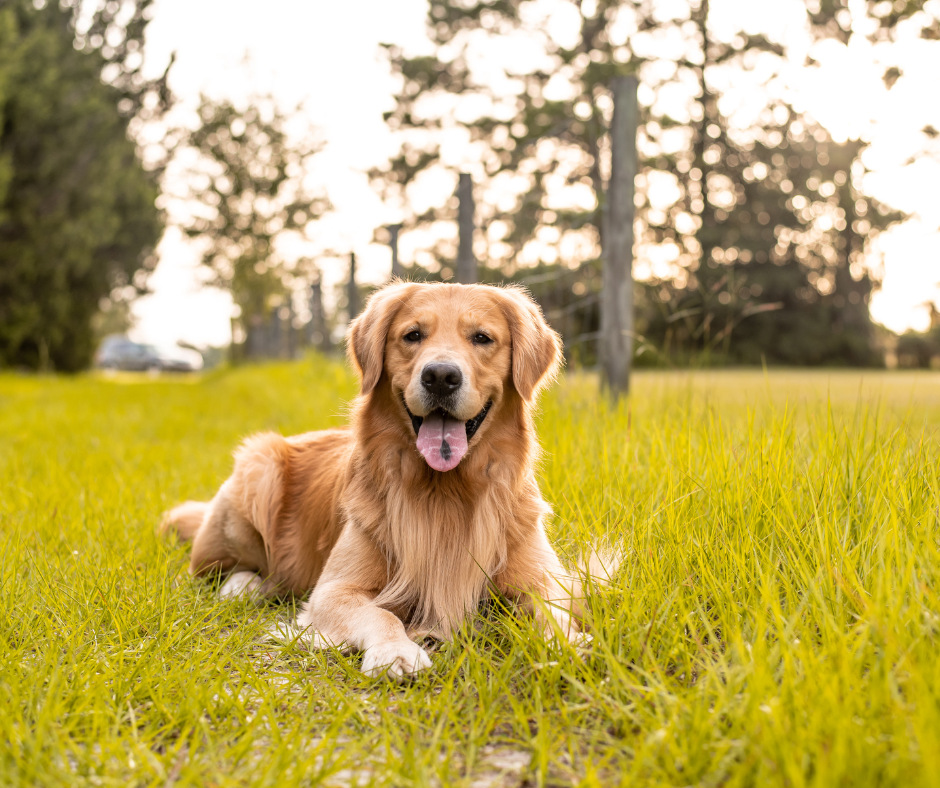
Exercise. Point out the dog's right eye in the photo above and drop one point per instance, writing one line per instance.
(413, 336)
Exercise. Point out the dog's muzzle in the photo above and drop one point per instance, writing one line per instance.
(443, 440)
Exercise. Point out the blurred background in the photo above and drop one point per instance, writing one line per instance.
(186, 184)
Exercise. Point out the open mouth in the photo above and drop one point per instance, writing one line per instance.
(442, 439)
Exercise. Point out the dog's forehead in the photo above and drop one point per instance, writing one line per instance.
(444, 306)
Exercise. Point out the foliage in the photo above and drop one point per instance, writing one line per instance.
(245, 191)
(920, 349)
(833, 19)
(749, 212)
(8, 37)
(77, 209)
(776, 621)
(803, 299)
(115, 30)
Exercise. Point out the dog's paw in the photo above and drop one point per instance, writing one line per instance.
(284, 632)
(397, 660)
(580, 640)
(241, 584)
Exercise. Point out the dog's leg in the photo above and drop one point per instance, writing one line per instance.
(344, 614)
(342, 611)
(239, 584)
(245, 583)
(226, 540)
(185, 519)
(551, 604)
(536, 580)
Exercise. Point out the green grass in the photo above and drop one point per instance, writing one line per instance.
(776, 621)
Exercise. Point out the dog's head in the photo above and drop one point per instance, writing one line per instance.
(450, 355)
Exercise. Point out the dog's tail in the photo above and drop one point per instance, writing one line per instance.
(184, 519)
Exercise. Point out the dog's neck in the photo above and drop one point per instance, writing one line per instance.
(442, 534)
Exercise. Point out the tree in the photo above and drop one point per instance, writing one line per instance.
(8, 37)
(783, 231)
(921, 348)
(246, 190)
(748, 234)
(77, 209)
(115, 31)
(833, 18)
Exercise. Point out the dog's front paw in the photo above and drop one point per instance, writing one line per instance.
(397, 660)
(580, 640)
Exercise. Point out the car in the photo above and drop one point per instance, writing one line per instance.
(117, 352)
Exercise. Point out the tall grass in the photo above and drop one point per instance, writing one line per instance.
(775, 622)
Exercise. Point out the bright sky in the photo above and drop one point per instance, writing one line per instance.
(326, 55)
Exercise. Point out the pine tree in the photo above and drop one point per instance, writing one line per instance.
(77, 208)
(763, 263)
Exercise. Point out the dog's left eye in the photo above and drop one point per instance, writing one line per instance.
(481, 339)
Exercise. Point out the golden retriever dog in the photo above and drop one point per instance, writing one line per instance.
(400, 524)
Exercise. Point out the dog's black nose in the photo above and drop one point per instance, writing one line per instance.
(441, 379)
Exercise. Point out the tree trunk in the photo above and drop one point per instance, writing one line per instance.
(393, 230)
(319, 335)
(466, 262)
(708, 232)
(617, 296)
(352, 289)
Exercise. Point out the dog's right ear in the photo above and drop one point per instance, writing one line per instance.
(365, 340)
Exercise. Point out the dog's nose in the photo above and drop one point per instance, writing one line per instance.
(441, 379)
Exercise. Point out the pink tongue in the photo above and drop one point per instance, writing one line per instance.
(442, 441)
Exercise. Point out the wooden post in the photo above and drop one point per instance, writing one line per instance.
(236, 352)
(617, 296)
(352, 289)
(291, 332)
(466, 262)
(255, 339)
(273, 349)
(393, 231)
(319, 334)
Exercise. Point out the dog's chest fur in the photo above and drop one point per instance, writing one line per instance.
(443, 541)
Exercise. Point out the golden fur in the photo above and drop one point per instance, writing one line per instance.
(391, 548)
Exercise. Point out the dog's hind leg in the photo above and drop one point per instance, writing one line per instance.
(185, 519)
(535, 579)
(229, 533)
(227, 541)
(246, 584)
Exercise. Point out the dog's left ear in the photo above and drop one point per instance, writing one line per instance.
(365, 340)
(536, 348)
